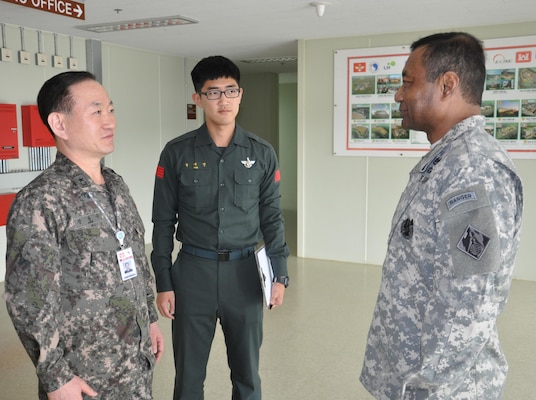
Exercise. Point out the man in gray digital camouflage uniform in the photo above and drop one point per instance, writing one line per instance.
(86, 320)
(453, 241)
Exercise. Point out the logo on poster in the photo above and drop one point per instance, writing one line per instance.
(360, 67)
(389, 65)
(501, 59)
(523, 56)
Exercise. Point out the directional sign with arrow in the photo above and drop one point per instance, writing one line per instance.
(68, 8)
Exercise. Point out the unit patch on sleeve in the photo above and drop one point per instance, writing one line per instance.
(160, 172)
(473, 242)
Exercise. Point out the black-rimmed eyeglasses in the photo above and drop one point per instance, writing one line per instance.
(214, 94)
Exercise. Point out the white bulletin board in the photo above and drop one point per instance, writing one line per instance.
(366, 121)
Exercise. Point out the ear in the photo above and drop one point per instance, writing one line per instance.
(196, 97)
(56, 122)
(449, 82)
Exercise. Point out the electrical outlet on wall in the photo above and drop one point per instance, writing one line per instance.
(41, 59)
(57, 61)
(72, 63)
(6, 54)
(24, 57)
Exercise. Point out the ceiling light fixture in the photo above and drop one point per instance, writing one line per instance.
(320, 7)
(281, 60)
(138, 24)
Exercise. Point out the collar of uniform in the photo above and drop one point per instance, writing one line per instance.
(439, 148)
(240, 137)
(71, 170)
(76, 174)
(203, 138)
(461, 128)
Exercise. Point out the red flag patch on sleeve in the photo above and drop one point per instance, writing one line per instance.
(160, 172)
(277, 176)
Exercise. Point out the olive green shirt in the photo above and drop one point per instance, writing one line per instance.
(217, 199)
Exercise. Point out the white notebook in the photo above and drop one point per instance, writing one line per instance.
(266, 274)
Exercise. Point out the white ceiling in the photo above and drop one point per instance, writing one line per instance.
(241, 29)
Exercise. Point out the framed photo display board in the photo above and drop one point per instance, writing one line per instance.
(366, 119)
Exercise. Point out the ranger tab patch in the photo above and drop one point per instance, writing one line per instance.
(461, 198)
(473, 242)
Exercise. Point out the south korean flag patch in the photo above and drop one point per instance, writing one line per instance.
(473, 242)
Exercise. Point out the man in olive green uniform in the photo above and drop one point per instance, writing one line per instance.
(86, 320)
(217, 191)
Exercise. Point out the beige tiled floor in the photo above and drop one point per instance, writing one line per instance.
(313, 345)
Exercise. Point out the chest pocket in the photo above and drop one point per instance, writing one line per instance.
(89, 251)
(247, 187)
(196, 187)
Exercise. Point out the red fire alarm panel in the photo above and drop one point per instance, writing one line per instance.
(5, 203)
(34, 131)
(9, 142)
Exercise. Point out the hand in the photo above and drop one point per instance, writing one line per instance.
(165, 302)
(278, 292)
(72, 390)
(157, 340)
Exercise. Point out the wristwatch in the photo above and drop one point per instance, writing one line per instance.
(282, 279)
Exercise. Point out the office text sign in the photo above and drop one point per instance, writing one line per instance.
(68, 8)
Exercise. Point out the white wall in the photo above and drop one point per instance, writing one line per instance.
(345, 204)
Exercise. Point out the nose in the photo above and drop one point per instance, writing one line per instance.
(110, 120)
(223, 99)
(398, 95)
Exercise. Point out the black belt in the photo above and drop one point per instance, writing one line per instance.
(218, 255)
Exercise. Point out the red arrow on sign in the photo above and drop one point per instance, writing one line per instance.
(68, 8)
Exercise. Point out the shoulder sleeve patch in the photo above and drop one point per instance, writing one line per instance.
(277, 177)
(160, 172)
(473, 242)
(461, 198)
(472, 234)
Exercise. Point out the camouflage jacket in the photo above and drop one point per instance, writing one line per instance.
(65, 294)
(447, 274)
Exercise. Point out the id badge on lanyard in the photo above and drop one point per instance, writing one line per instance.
(127, 266)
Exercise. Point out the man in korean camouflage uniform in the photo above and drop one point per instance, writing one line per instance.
(453, 241)
(88, 326)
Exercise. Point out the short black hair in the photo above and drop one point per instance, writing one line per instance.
(459, 52)
(214, 67)
(55, 94)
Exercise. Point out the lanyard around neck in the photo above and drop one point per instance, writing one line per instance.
(119, 234)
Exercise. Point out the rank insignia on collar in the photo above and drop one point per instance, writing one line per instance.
(81, 180)
(248, 163)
